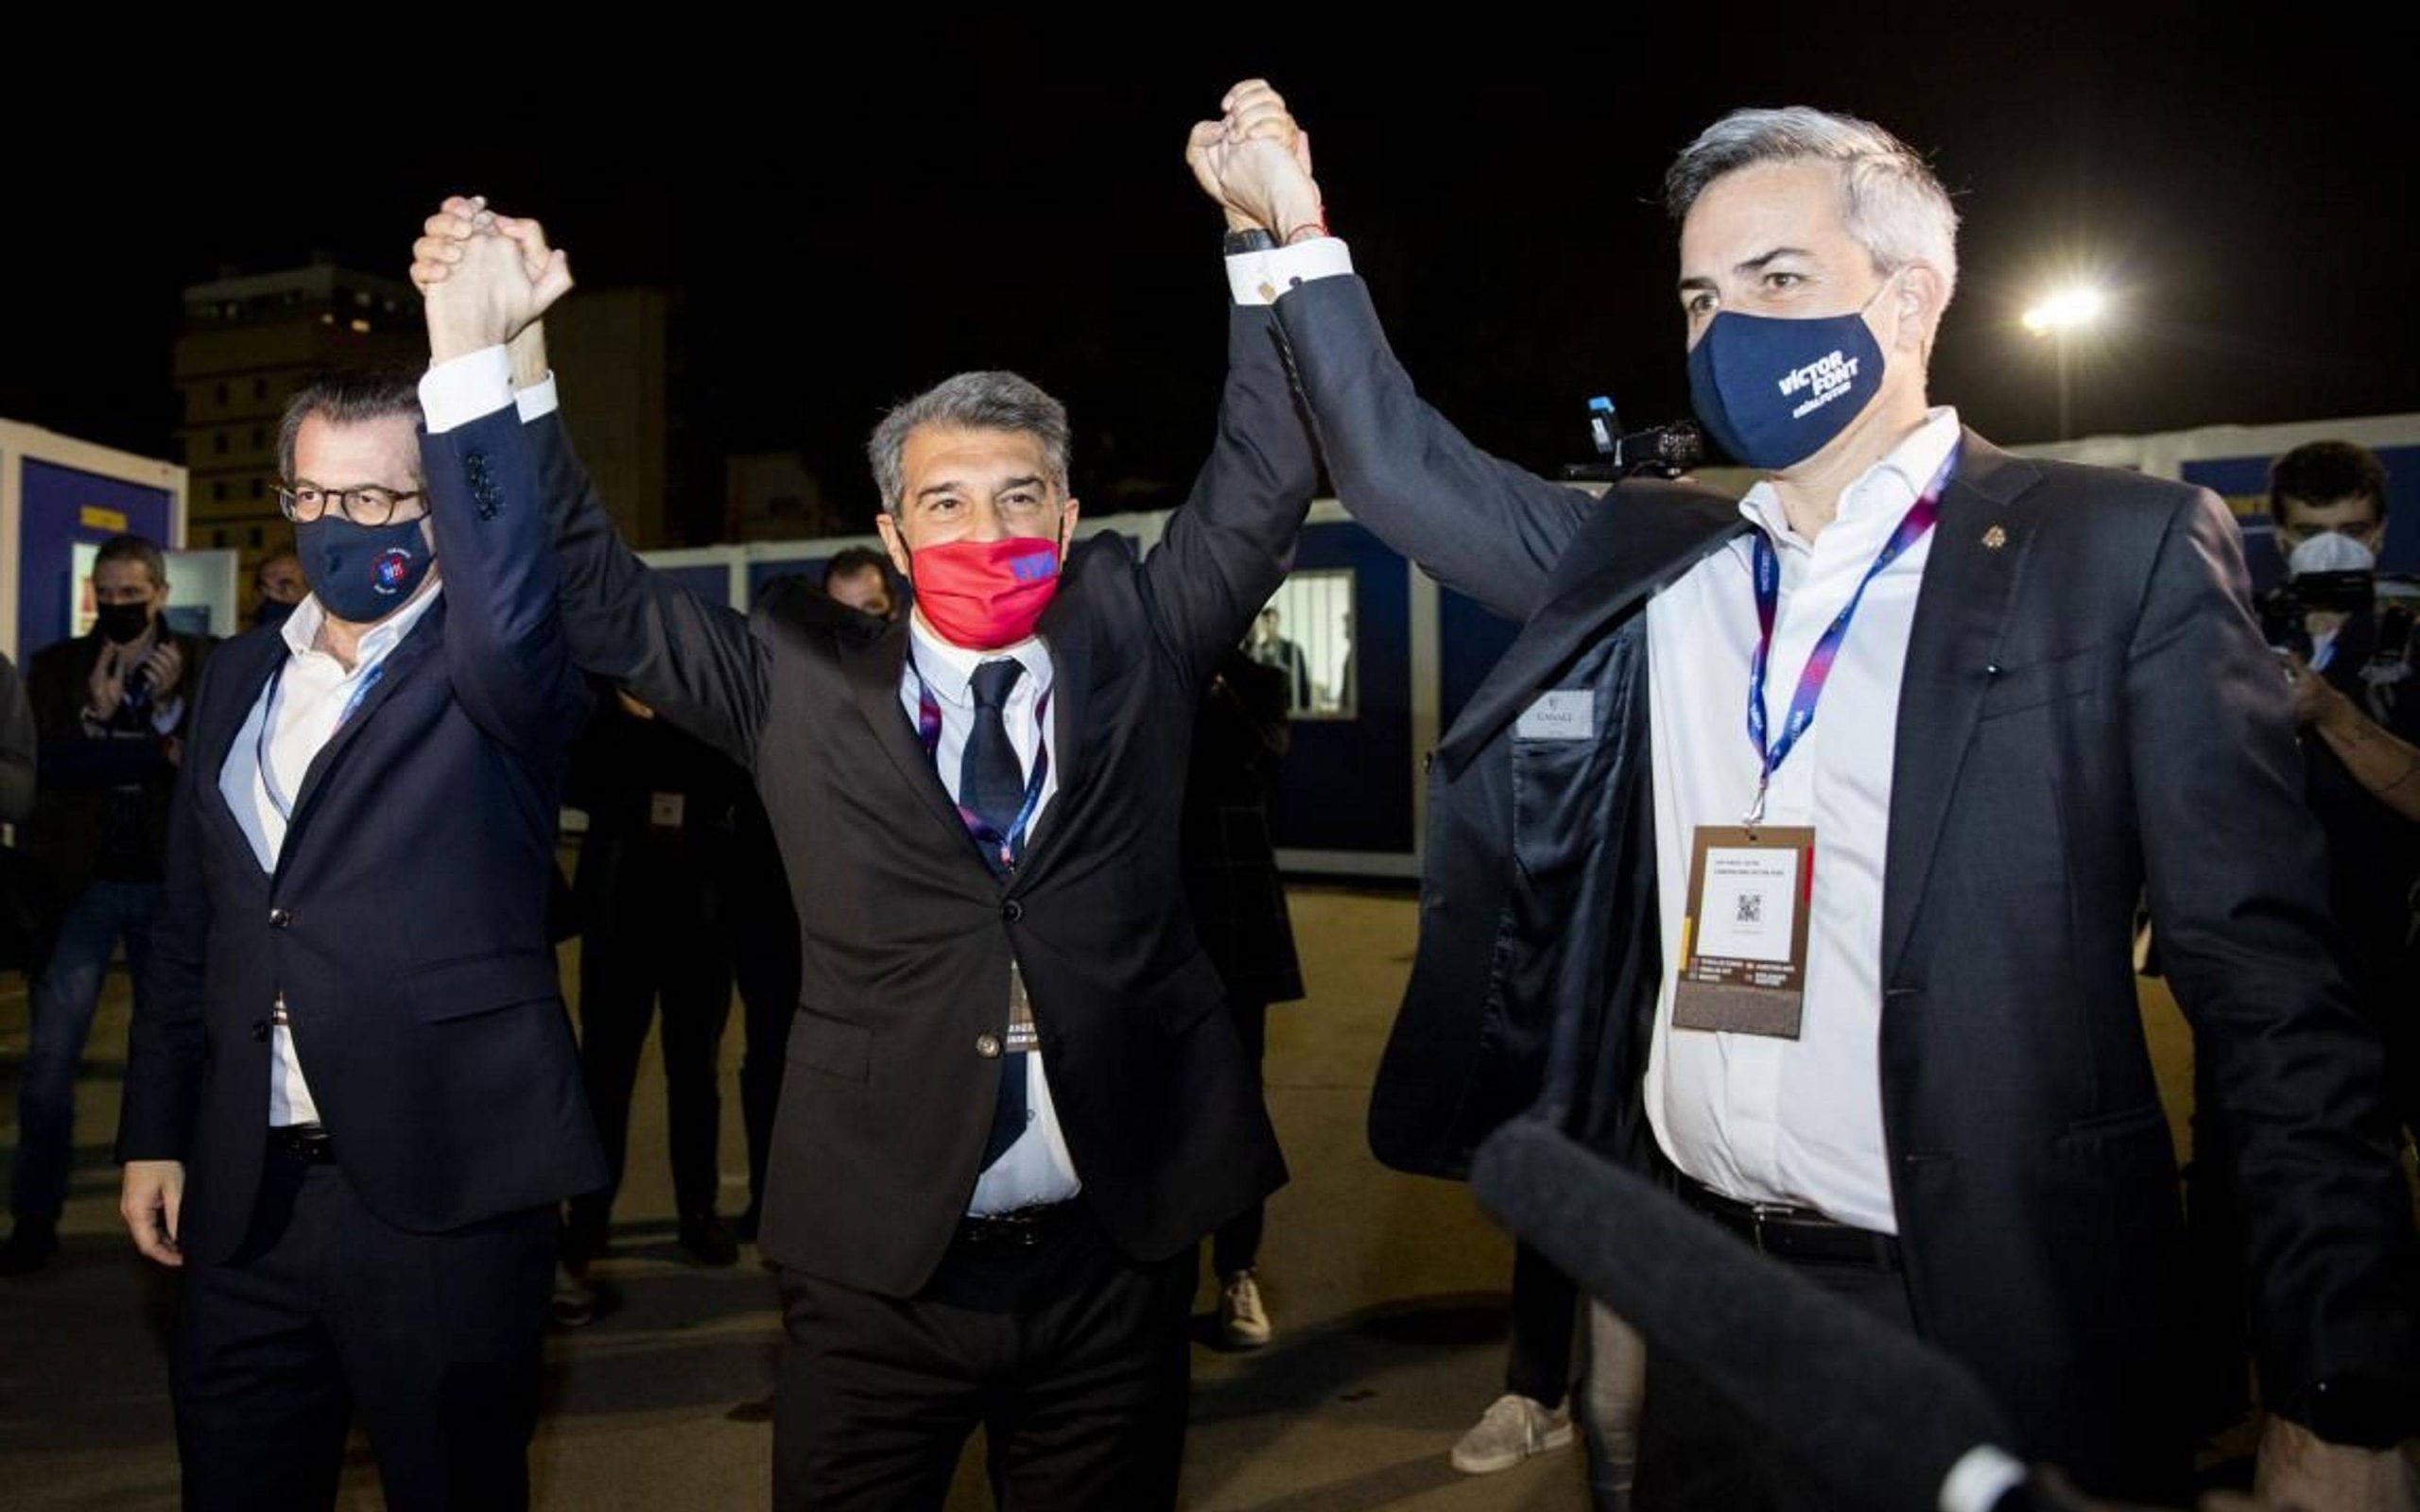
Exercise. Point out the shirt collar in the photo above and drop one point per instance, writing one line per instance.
(301, 628)
(1896, 480)
(947, 668)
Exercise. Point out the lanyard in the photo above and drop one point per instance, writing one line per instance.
(269, 721)
(1819, 660)
(1009, 847)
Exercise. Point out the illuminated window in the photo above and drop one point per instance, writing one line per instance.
(1306, 633)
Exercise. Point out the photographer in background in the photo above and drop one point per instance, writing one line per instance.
(2349, 661)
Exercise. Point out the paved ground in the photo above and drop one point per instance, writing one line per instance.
(1388, 1293)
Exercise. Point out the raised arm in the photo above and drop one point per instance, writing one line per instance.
(1228, 548)
(1478, 524)
(693, 661)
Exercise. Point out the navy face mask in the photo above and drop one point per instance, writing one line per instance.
(1774, 392)
(362, 573)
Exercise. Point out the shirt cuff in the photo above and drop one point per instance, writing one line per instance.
(1980, 1479)
(538, 400)
(1263, 278)
(461, 389)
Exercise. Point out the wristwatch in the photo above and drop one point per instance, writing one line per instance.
(1255, 240)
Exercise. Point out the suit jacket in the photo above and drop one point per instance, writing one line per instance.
(2088, 711)
(906, 936)
(405, 922)
(80, 775)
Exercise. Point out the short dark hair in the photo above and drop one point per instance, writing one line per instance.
(2323, 472)
(272, 558)
(135, 548)
(348, 395)
(850, 560)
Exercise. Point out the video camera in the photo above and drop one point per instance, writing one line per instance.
(1661, 451)
(2281, 609)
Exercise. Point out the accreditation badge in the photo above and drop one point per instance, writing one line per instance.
(1023, 1037)
(1743, 942)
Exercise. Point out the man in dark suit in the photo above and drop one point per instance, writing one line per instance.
(1917, 1067)
(1013, 1106)
(353, 1100)
(110, 706)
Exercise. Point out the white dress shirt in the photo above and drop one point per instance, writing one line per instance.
(1756, 1118)
(1037, 1168)
(301, 708)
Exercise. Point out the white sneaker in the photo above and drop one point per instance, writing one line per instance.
(1513, 1429)
(574, 1303)
(1243, 1321)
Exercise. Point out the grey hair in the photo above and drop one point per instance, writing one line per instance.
(353, 396)
(1893, 203)
(970, 400)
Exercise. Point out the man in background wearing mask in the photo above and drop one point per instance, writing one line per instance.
(1013, 1106)
(353, 1100)
(110, 707)
(277, 585)
(1840, 929)
(2357, 704)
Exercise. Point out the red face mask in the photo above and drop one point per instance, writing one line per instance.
(985, 595)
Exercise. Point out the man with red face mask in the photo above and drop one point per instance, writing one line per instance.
(1013, 1106)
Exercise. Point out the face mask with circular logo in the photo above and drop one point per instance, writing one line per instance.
(1776, 391)
(362, 573)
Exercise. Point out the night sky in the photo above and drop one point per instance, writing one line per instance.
(847, 227)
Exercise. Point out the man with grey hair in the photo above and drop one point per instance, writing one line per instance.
(1915, 1072)
(1013, 1106)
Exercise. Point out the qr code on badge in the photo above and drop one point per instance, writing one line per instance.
(1751, 908)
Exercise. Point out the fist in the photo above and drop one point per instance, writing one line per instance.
(1256, 161)
(485, 278)
(165, 666)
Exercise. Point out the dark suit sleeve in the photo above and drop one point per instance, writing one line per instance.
(164, 1040)
(505, 650)
(2236, 873)
(693, 661)
(1480, 526)
(1226, 550)
(18, 743)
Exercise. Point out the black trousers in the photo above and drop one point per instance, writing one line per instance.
(436, 1338)
(626, 967)
(1236, 1245)
(1545, 1313)
(1697, 1454)
(1073, 1359)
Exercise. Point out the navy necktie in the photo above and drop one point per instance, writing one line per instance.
(991, 790)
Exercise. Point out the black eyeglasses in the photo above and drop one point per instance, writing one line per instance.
(304, 502)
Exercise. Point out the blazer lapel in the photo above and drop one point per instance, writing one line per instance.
(874, 671)
(416, 649)
(1977, 555)
(1615, 563)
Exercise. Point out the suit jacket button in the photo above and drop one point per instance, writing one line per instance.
(988, 1046)
(1012, 910)
(279, 918)
(260, 1030)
